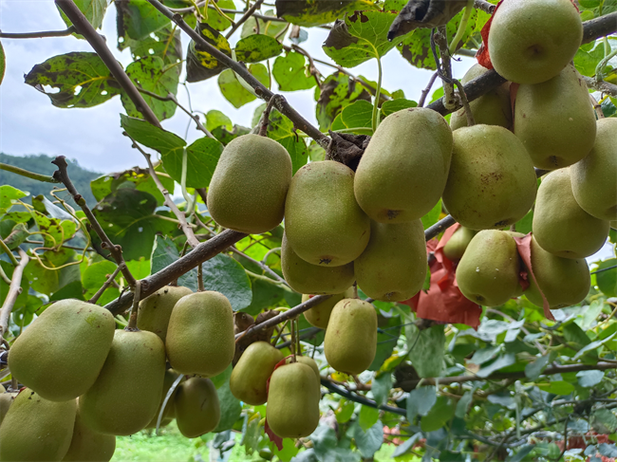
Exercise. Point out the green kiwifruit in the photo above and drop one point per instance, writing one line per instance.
(155, 310)
(308, 361)
(6, 399)
(304, 277)
(531, 41)
(488, 273)
(560, 226)
(564, 281)
(594, 179)
(492, 108)
(323, 222)
(170, 409)
(88, 445)
(492, 182)
(36, 429)
(393, 266)
(403, 170)
(251, 373)
(249, 185)
(127, 392)
(455, 247)
(318, 315)
(200, 337)
(197, 407)
(350, 343)
(293, 401)
(555, 120)
(62, 352)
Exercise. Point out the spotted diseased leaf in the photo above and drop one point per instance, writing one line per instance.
(416, 46)
(151, 74)
(337, 91)
(136, 20)
(216, 20)
(8, 194)
(260, 26)
(316, 12)
(93, 10)
(359, 37)
(281, 129)
(235, 92)
(291, 73)
(164, 43)
(82, 79)
(258, 47)
(201, 65)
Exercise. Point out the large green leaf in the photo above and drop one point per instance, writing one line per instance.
(93, 10)
(369, 441)
(216, 20)
(137, 19)
(360, 37)
(164, 43)
(316, 12)
(152, 75)
(440, 413)
(427, 350)
(420, 401)
(230, 405)
(291, 73)
(235, 92)
(606, 277)
(258, 47)
(224, 274)
(201, 65)
(336, 92)
(129, 219)
(164, 253)
(82, 80)
(387, 336)
(357, 115)
(8, 194)
(153, 137)
(94, 276)
(202, 156)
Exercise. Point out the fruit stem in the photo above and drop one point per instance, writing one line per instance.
(377, 95)
(292, 328)
(135, 308)
(200, 278)
(461, 27)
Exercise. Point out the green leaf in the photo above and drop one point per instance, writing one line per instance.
(534, 370)
(387, 337)
(427, 355)
(524, 224)
(449, 456)
(381, 387)
(8, 194)
(368, 441)
(2, 63)
(216, 20)
(202, 157)
(558, 387)
(265, 295)
(313, 13)
(235, 92)
(367, 417)
(282, 129)
(607, 279)
(592, 346)
(344, 411)
(137, 19)
(304, 325)
(438, 416)
(357, 114)
(94, 276)
(588, 379)
(153, 137)
(291, 73)
(463, 404)
(420, 401)
(588, 57)
(215, 118)
(152, 75)
(201, 65)
(271, 28)
(230, 405)
(82, 80)
(501, 362)
(337, 91)
(225, 275)
(521, 454)
(71, 290)
(258, 47)
(604, 420)
(128, 217)
(93, 10)
(360, 37)
(288, 451)
(432, 217)
(395, 105)
(164, 253)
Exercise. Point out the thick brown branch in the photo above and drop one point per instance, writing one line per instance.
(260, 90)
(116, 251)
(408, 385)
(201, 253)
(604, 87)
(14, 291)
(599, 27)
(360, 399)
(80, 22)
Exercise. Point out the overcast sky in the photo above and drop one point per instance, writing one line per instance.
(29, 124)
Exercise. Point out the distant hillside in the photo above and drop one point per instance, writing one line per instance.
(42, 164)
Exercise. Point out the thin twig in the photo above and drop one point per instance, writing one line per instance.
(438, 227)
(7, 251)
(80, 22)
(13, 293)
(265, 117)
(360, 399)
(116, 251)
(445, 68)
(135, 308)
(484, 6)
(262, 265)
(427, 89)
(27, 174)
(465, 102)
(244, 18)
(184, 225)
(105, 285)
(4, 277)
(261, 91)
(43, 34)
